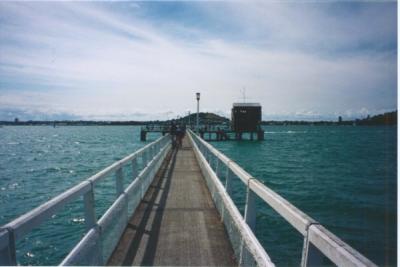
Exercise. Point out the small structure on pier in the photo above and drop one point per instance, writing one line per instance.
(246, 118)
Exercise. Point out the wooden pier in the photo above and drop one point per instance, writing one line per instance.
(209, 133)
(176, 223)
(228, 135)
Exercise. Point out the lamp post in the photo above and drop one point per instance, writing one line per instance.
(197, 117)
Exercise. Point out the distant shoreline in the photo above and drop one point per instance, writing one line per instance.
(294, 124)
(386, 119)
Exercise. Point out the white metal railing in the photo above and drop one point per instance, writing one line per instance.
(103, 235)
(248, 250)
(318, 241)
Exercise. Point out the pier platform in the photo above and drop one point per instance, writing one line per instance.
(176, 224)
(209, 133)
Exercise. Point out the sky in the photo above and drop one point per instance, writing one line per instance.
(126, 60)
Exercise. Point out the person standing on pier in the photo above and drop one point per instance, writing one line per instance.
(173, 132)
(183, 130)
(179, 135)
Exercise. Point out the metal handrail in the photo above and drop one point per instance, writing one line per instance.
(317, 239)
(16, 229)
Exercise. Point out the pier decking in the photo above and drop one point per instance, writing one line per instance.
(208, 133)
(176, 224)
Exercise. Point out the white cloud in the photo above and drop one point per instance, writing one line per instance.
(94, 62)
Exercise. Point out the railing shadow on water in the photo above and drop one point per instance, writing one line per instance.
(101, 235)
(320, 246)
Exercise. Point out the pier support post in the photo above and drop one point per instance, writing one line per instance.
(260, 135)
(143, 135)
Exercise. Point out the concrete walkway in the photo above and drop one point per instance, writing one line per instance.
(177, 223)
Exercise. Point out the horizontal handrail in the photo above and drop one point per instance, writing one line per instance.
(25, 223)
(298, 219)
(120, 163)
(293, 215)
(17, 228)
(335, 249)
(326, 242)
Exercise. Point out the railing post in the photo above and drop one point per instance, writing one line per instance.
(134, 168)
(149, 154)
(90, 212)
(250, 210)
(216, 165)
(144, 158)
(119, 181)
(7, 248)
(142, 192)
(152, 152)
(311, 256)
(228, 181)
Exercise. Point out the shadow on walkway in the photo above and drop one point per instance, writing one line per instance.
(149, 204)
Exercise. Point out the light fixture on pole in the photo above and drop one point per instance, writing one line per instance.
(197, 117)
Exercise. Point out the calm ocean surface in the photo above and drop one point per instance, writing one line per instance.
(344, 177)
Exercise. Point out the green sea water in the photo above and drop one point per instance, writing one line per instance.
(344, 177)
